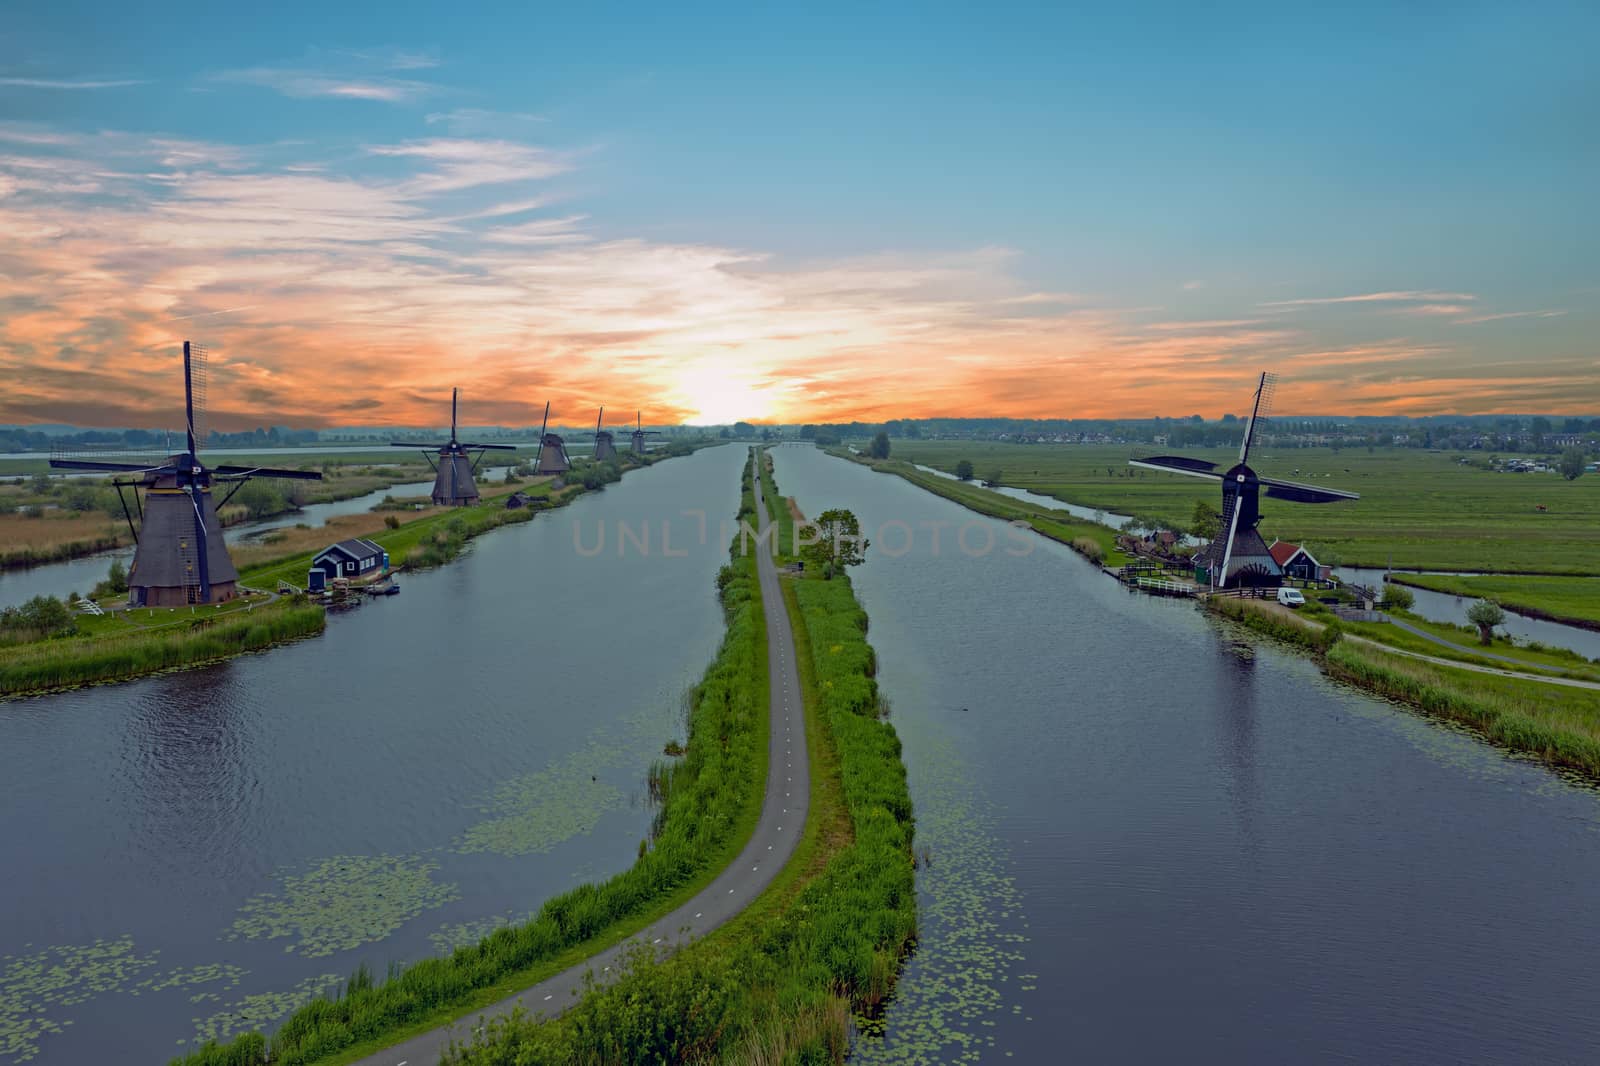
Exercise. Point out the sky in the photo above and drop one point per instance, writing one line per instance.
(796, 213)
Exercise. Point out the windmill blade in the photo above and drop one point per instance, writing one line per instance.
(1178, 464)
(98, 464)
(453, 394)
(545, 424)
(195, 379)
(417, 444)
(1258, 411)
(1227, 550)
(268, 471)
(492, 447)
(1298, 493)
(202, 555)
(598, 417)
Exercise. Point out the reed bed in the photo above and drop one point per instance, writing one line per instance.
(64, 663)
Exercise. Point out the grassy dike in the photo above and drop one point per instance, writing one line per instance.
(66, 662)
(711, 801)
(1095, 542)
(778, 983)
(1573, 601)
(1556, 724)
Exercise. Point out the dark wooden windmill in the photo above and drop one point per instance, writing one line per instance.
(455, 478)
(1238, 556)
(637, 447)
(181, 557)
(552, 450)
(605, 445)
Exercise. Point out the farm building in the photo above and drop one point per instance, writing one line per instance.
(348, 559)
(1295, 561)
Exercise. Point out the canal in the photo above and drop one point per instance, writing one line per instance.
(1153, 837)
(196, 853)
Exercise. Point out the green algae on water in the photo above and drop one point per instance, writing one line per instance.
(342, 903)
(33, 985)
(536, 811)
(255, 1011)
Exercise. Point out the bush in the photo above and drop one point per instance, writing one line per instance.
(1399, 597)
(1090, 549)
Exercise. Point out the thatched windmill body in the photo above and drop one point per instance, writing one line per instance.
(552, 450)
(181, 557)
(1237, 555)
(605, 445)
(637, 445)
(455, 478)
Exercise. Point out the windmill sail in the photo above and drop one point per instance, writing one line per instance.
(181, 557)
(1237, 554)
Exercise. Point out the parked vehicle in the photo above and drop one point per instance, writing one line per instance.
(1291, 597)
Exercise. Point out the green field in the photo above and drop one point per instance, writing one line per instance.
(1418, 509)
(1564, 599)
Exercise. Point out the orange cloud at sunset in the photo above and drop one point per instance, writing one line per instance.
(360, 297)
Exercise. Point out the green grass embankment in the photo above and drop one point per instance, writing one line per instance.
(1096, 542)
(1573, 601)
(711, 801)
(65, 662)
(778, 983)
(1557, 724)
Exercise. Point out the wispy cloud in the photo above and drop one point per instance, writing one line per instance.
(305, 84)
(1473, 320)
(69, 83)
(1412, 296)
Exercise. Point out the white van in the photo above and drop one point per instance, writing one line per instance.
(1291, 597)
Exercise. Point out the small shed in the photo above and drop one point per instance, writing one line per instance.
(1296, 561)
(358, 558)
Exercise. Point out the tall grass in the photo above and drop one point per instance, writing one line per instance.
(711, 797)
(779, 993)
(54, 664)
(1268, 618)
(1558, 724)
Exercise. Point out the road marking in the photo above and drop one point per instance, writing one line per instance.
(730, 891)
(697, 914)
(547, 999)
(657, 940)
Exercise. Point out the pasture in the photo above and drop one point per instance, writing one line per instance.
(1418, 509)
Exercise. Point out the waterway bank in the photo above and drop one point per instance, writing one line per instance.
(1556, 724)
(1298, 870)
(781, 981)
(117, 647)
(431, 768)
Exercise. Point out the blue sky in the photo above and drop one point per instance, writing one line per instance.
(1007, 202)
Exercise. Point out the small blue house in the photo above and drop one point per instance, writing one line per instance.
(349, 559)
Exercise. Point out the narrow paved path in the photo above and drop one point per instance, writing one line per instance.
(1453, 646)
(783, 816)
(1438, 660)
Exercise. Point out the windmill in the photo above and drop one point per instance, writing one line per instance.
(181, 557)
(455, 481)
(605, 445)
(637, 447)
(552, 450)
(1238, 555)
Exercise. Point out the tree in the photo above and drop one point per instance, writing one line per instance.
(1571, 465)
(1485, 614)
(839, 543)
(743, 429)
(879, 448)
(1206, 522)
(1399, 597)
(117, 579)
(992, 478)
(964, 470)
